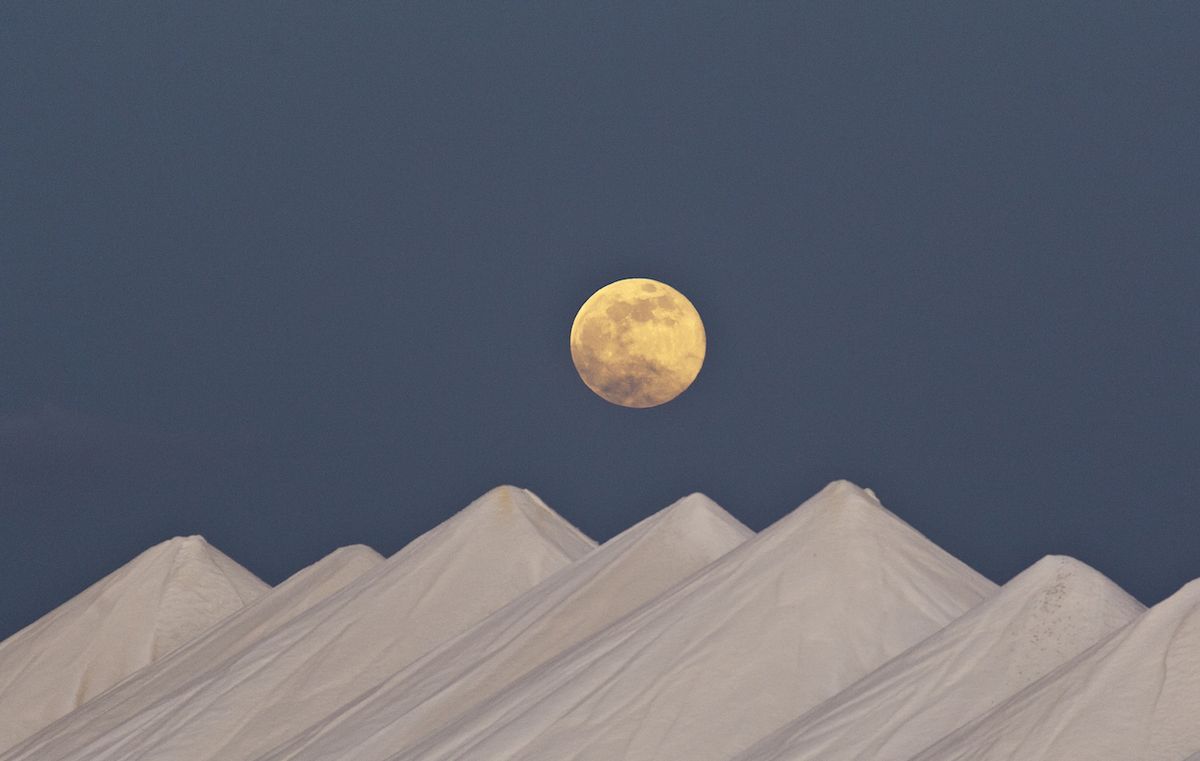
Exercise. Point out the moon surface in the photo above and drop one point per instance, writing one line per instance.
(638, 343)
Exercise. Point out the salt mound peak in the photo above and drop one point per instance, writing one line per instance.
(1046, 615)
(194, 552)
(498, 547)
(203, 582)
(855, 541)
(844, 506)
(785, 620)
(298, 593)
(506, 501)
(699, 502)
(848, 515)
(353, 551)
(1060, 606)
(1054, 576)
(699, 516)
(129, 619)
(1132, 696)
(351, 556)
(578, 601)
(1056, 580)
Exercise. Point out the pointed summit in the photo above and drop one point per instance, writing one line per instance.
(203, 585)
(350, 555)
(575, 603)
(698, 514)
(506, 500)
(141, 691)
(131, 618)
(859, 547)
(498, 547)
(1043, 617)
(764, 633)
(1134, 696)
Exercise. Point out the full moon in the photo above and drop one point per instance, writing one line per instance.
(638, 343)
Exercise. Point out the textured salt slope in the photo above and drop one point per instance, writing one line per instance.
(161, 679)
(1039, 620)
(500, 546)
(1136, 696)
(573, 604)
(766, 632)
(129, 619)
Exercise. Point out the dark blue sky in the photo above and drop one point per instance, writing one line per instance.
(301, 275)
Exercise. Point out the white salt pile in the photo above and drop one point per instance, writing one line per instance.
(780, 623)
(838, 634)
(1042, 618)
(576, 602)
(130, 619)
(153, 683)
(500, 546)
(1135, 696)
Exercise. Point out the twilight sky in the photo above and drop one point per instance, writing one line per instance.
(300, 275)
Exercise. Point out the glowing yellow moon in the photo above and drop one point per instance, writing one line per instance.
(638, 342)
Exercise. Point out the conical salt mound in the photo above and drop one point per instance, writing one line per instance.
(1039, 620)
(571, 605)
(157, 681)
(1136, 696)
(131, 618)
(756, 638)
(499, 547)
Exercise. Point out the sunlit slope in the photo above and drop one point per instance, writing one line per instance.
(578, 601)
(776, 626)
(159, 680)
(1036, 622)
(131, 618)
(500, 546)
(1136, 696)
